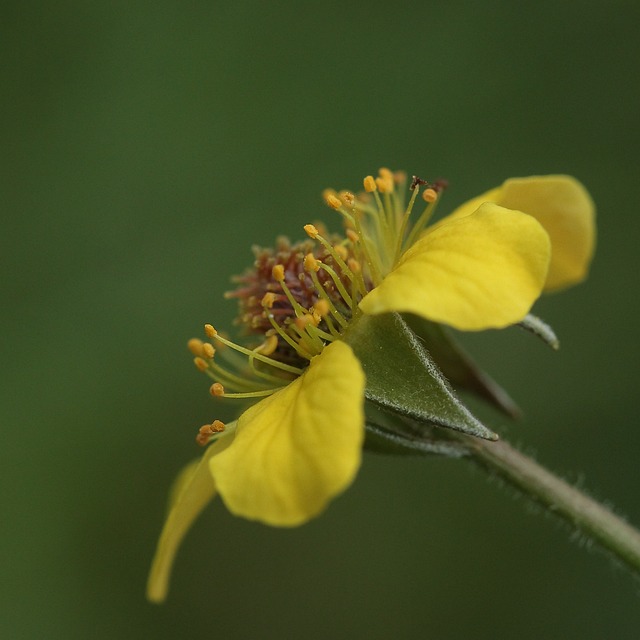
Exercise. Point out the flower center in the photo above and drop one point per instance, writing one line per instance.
(300, 297)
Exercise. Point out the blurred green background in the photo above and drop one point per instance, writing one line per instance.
(145, 148)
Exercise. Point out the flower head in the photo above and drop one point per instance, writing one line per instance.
(300, 444)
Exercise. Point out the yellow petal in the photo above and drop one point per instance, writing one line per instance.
(481, 271)
(563, 207)
(192, 490)
(296, 449)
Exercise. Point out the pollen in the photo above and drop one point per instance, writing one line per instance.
(352, 235)
(210, 331)
(384, 184)
(334, 202)
(268, 300)
(322, 307)
(348, 198)
(268, 346)
(429, 195)
(207, 350)
(200, 363)
(310, 263)
(278, 272)
(216, 389)
(370, 184)
(341, 250)
(195, 346)
(311, 231)
(207, 430)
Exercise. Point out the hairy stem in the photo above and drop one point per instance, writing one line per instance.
(560, 498)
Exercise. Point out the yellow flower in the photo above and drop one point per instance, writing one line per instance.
(481, 267)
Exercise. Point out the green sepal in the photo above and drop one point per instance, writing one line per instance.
(458, 367)
(397, 435)
(403, 379)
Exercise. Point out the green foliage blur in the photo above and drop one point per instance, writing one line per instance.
(145, 148)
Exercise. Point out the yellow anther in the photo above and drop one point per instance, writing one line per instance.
(321, 307)
(278, 272)
(311, 230)
(207, 350)
(268, 299)
(334, 202)
(352, 235)
(310, 263)
(195, 346)
(429, 195)
(307, 319)
(370, 184)
(385, 185)
(200, 363)
(208, 430)
(385, 174)
(341, 250)
(327, 193)
(216, 389)
(399, 177)
(268, 346)
(210, 331)
(217, 426)
(354, 265)
(347, 197)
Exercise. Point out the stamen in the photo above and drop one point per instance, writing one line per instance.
(200, 363)
(370, 184)
(207, 350)
(336, 280)
(324, 296)
(334, 202)
(216, 389)
(258, 356)
(430, 195)
(336, 256)
(348, 198)
(195, 346)
(289, 340)
(268, 299)
(211, 432)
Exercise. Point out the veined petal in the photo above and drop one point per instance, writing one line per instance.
(192, 490)
(478, 272)
(563, 207)
(296, 449)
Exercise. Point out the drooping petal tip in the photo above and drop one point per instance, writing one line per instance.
(192, 490)
(298, 448)
(563, 206)
(565, 209)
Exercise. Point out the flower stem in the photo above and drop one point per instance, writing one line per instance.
(560, 498)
